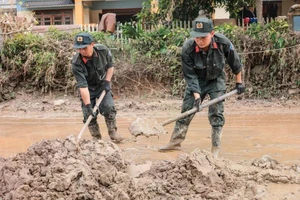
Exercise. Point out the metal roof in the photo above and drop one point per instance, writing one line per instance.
(47, 3)
(8, 4)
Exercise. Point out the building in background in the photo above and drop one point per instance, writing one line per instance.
(48, 12)
(8, 6)
(61, 12)
(275, 8)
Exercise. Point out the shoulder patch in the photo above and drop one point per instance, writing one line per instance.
(76, 59)
(100, 47)
(219, 38)
(109, 53)
(189, 46)
(231, 46)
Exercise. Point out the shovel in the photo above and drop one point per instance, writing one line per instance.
(91, 117)
(152, 128)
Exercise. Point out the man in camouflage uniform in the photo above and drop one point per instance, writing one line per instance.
(93, 69)
(203, 61)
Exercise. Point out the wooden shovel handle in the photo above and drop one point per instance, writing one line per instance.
(91, 117)
(193, 110)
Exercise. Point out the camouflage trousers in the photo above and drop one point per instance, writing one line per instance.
(106, 109)
(215, 113)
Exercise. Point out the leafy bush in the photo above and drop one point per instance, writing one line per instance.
(39, 62)
(149, 62)
(270, 54)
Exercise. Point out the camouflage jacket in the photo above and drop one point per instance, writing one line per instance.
(91, 73)
(200, 66)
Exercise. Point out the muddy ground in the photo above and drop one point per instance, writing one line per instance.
(259, 158)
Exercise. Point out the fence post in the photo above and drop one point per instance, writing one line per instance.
(1, 39)
(119, 31)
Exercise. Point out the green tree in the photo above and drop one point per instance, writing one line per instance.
(189, 9)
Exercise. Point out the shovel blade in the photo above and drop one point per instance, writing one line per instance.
(146, 127)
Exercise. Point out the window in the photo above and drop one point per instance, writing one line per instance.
(57, 20)
(47, 21)
(57, 17)
(296, 22)
(68, 20)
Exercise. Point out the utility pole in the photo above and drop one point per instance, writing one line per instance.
(259, 8)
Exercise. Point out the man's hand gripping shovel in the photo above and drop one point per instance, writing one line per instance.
(90, 118)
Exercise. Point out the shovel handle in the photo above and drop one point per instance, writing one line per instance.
(91, 117)
(204, 105)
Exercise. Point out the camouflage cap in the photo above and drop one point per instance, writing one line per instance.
(82, 40)
(201, 27)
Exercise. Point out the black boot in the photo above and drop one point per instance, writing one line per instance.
(216, 135)
(177, 137)
(172, 145)
(112, 131)
(95, 131)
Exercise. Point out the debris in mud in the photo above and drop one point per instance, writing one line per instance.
(53, 169)
(146, 127)
(266, 162)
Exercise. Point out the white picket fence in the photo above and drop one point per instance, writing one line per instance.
(173, 25)
(118, 32)
(89, 27)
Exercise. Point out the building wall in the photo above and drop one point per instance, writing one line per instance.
(91, 15)
(87, 6)
(8, 4)
(86, 12)
(92, 9)
(283, 8)
(220, 13)
(117, 4)
(95, 16)
(286, 4)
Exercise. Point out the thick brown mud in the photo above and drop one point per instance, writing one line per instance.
(259, 158)
(244, 137)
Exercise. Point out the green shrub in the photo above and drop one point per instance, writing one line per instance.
(270, 55)
(149, 61)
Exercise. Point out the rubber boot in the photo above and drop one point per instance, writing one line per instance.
(95, 131)
(177, 137)
(112, 131)
(216, 135)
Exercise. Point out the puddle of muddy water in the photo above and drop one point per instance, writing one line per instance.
(283, 191)
(244, 137)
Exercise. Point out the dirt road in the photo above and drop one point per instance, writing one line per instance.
(260, 137)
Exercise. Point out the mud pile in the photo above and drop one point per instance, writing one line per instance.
(53, 169)
(56, 170)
